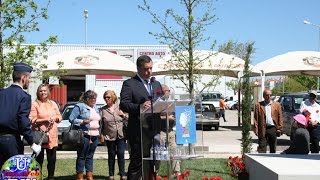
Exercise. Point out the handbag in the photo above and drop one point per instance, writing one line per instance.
(72, 137)
(40, 137)
(125, 127)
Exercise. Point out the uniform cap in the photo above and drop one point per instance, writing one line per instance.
(313, 92)
(22, 67)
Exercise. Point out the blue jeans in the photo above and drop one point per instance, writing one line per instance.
(85, 154)
(116, 147)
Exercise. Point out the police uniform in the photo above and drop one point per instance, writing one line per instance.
(15, 105)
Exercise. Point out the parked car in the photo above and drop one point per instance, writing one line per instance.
(212, 98)
(64, 125)
(290, 103)
(207, 116)
(232, 104)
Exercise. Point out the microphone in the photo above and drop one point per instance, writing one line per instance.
(152, 79)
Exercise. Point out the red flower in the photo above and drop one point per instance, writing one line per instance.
(158, 92)
(188, 172)
(236, 165)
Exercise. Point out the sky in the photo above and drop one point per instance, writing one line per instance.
(275, 26)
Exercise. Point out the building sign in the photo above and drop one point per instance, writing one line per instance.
(155, 54)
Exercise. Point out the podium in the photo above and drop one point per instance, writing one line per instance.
(168, 136)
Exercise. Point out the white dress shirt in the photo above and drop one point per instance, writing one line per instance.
(312, 108)
(269, 121)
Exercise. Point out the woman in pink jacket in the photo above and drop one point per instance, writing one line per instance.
(45, 114)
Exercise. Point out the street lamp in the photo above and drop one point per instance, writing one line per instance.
(86, 15)
(318, 26)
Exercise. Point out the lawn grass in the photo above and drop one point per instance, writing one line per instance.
(65, 169)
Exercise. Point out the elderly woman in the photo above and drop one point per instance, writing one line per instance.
(112, 133)
(301, 139)
(85, 116)
(46, 115)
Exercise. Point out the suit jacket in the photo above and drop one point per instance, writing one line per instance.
(15, 105)
(133, 94)
(260, 117)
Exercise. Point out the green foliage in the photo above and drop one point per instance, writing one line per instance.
(65, 168)
(184, 32)
(289, 85)
(19, 17)
(236, 48)
(233, 85)
(246, 104)
(239, 50)
(310, 82)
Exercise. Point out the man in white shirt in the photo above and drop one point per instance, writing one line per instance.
(311, 106)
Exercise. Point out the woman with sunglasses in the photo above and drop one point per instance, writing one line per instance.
(112, 133)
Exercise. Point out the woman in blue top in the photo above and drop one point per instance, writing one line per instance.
(85, 116)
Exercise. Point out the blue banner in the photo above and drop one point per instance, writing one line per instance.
(185, 125)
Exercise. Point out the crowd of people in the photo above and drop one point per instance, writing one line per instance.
(268, 124)
(107, 123)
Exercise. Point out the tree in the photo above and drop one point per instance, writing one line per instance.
(243, 51)
(18, 17)
(310, 82)
(233, 85)
(246, 104)
(184, 33)
(237, 49)
(289, 85)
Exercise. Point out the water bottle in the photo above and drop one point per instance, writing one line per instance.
(165, 153)
(151, 152)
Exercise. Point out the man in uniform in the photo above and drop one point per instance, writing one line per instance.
(15, 105)
(311, 107)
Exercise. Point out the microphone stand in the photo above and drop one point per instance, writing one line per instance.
(153, 128)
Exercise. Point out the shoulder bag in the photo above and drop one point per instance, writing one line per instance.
(125, 127)
(40, 136)
(72, 137)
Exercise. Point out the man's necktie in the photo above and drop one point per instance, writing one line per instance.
(149, 88)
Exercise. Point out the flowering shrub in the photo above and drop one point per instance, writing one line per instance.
(184, 175)
(237, 165)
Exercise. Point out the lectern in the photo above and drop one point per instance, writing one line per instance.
(168, 135)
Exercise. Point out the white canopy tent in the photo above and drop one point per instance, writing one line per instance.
(85, 62)
(215, 63)
(291, 63)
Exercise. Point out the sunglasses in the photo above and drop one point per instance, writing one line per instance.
(107, 97)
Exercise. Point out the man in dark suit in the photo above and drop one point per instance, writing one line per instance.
(139, 92)
(15, 105)
(268, 122)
